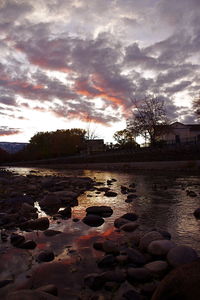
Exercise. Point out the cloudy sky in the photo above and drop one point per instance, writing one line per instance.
(67, 63)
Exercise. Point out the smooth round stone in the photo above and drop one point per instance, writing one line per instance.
(49, 288)
(158, 267)
(94, 281)
(45, 256)
(93, 220)
(130, 216)
(116, 275)
(129, 227)
(51, 232)
(29, 244)
(139, 274)
(160, 247)
(181, 255)
(120, 222)
(148, 238)
(17, 239)
(38, 224)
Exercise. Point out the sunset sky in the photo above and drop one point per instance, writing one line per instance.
(64, 63)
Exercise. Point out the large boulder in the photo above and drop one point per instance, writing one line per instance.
(181, 283)
(181, 255)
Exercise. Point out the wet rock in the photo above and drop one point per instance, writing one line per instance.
(38, 224)
(29, 295)
(107, 261)
(130, 216)
(45, 256)
(93, 220)
(51, 232)
(129, 227)
(139, 274)
(148, 238)
(181, 255)
(160, 247)
(165, 234)
(120, 222)
(94, 281)
(102, 211)
(181, 283)
(134, 238)
(110, 194)
(135, 257)
(158, 267)
(149, 288)
(29, 244)
(127, 292)
(197, 213)
(16, 239)
(132, 196)
(132, 185)
(129, 200)
(49, 288)
(66, 212)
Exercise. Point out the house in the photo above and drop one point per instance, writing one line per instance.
(178, 133)
(95, 146)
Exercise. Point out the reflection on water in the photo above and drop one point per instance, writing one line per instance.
(162, 202)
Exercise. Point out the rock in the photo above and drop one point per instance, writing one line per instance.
(148, 238)
(16, 239)
(139, 274)
(45, 256)
(29, 244)
(107, 261)
(126, 292)
(94, 281)
(135, 257)
(197, 213)
(134, 237)
(160, 247)
(129, 200)
(102, 211)
(191, 193)
(158, 267)
(120, 222)
(130, 216)
(181, 283)
(110, 194)
(93, 220)
(129, 227)
(29, 295)
(51, 232)
(132, 196)
(5, 282)
(27, 209)
(38, 224)
(181, 255)
(165, 234)
(66, 212)
(98, 246)
(149, 288)
(49, 288)
(110, 247)
(116, 275)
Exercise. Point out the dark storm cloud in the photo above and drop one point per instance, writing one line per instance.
(7, 100)
(5, 131)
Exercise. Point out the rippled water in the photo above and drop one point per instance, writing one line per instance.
(162, 203)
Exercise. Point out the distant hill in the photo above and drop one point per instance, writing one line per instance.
(11, 147)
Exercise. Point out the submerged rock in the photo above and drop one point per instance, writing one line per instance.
(197, 213)
(38, 224)
(103, 211)
(45, 256)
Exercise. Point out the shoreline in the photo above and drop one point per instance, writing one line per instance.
(192, 166)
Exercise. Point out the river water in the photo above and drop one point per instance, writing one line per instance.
(162, 202)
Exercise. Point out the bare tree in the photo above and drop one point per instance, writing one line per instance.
(149, 116)
(90, 130)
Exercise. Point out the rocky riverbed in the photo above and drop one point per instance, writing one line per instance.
(40, 259)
